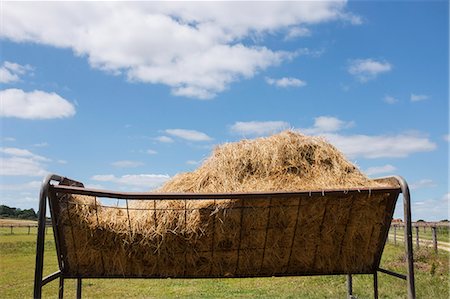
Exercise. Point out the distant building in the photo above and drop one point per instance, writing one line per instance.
(397, 220)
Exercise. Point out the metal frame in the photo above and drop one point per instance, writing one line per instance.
(77, 187)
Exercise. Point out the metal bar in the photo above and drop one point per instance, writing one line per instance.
(39, 266)
(240, 237)
(51, 277)
(375, 285)
(61, 288)
(294, 234)
(78, 288)
(408, 237)
(265, 237)
(349, 286)
(199, 196)
(402, 276)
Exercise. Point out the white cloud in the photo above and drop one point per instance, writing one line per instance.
(151, 152)
(10, 72)
(368, 146)
(127, 164)
(368, 69)
(146, 181)
(177, 44)
(164, 139)
(424, 183)
(19, 152)
(446, 137)
(190, 135)
(21, 162)
(34, 105)
(192, 162)
(258, 128)
(419, 97)
(296, 32)
(29, 186)
(326, 124)
(41, 144)
(376, 170)
(286, 82)
(381, 146)
(431, 209)
(390, 100)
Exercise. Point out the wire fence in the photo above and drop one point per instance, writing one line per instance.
(428, 234)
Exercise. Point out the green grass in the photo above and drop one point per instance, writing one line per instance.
(17, 270)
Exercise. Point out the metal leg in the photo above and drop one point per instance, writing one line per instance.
(408, 237)
(37, 292)
(61, 288)
(78, 288)
(375, 285)
(349, 286)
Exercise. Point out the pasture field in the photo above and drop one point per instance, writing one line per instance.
(17, 270)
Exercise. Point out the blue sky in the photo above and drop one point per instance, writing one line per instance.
(124, 96)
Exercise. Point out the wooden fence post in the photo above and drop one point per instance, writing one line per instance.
(433, 230)
(417, 237)
(395, 234)
(29, 227)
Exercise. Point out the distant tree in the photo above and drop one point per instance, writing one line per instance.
(8, 212)
(445, 220)
(420, 220)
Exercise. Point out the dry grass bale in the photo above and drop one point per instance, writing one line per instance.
(235, 237)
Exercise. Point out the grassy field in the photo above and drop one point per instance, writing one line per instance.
(17, 269)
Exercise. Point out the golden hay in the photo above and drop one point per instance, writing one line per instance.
(236, 237)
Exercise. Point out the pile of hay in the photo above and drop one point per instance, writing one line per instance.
(233, 237)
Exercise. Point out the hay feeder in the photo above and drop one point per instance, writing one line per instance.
(252, 234)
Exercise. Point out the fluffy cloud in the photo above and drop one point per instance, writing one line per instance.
(10, 72)
(390, 100)
(424, 183)
(376, 170)
(326, 124)
(368, 146)
(419, 97)
(190, 135)
(258, 128)
(381, 146)
(145, 181)
(286, 82)
(296, 32)
(173, 43)
(368, 69)
(34, 105)
(164, 139)
(21, 162)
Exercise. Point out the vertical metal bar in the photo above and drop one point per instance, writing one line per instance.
(61, 287)
(408, 237)
(78, 288)
(39, 266)
(375, 285)
(349, 286)
(240, 235)
(433, 231)
(294, 233)
(417, 237)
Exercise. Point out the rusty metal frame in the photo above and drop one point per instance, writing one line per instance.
(67, 186)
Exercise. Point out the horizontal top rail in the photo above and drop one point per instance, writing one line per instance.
(200, 196)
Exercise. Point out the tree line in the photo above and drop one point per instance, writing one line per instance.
(8, 212)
